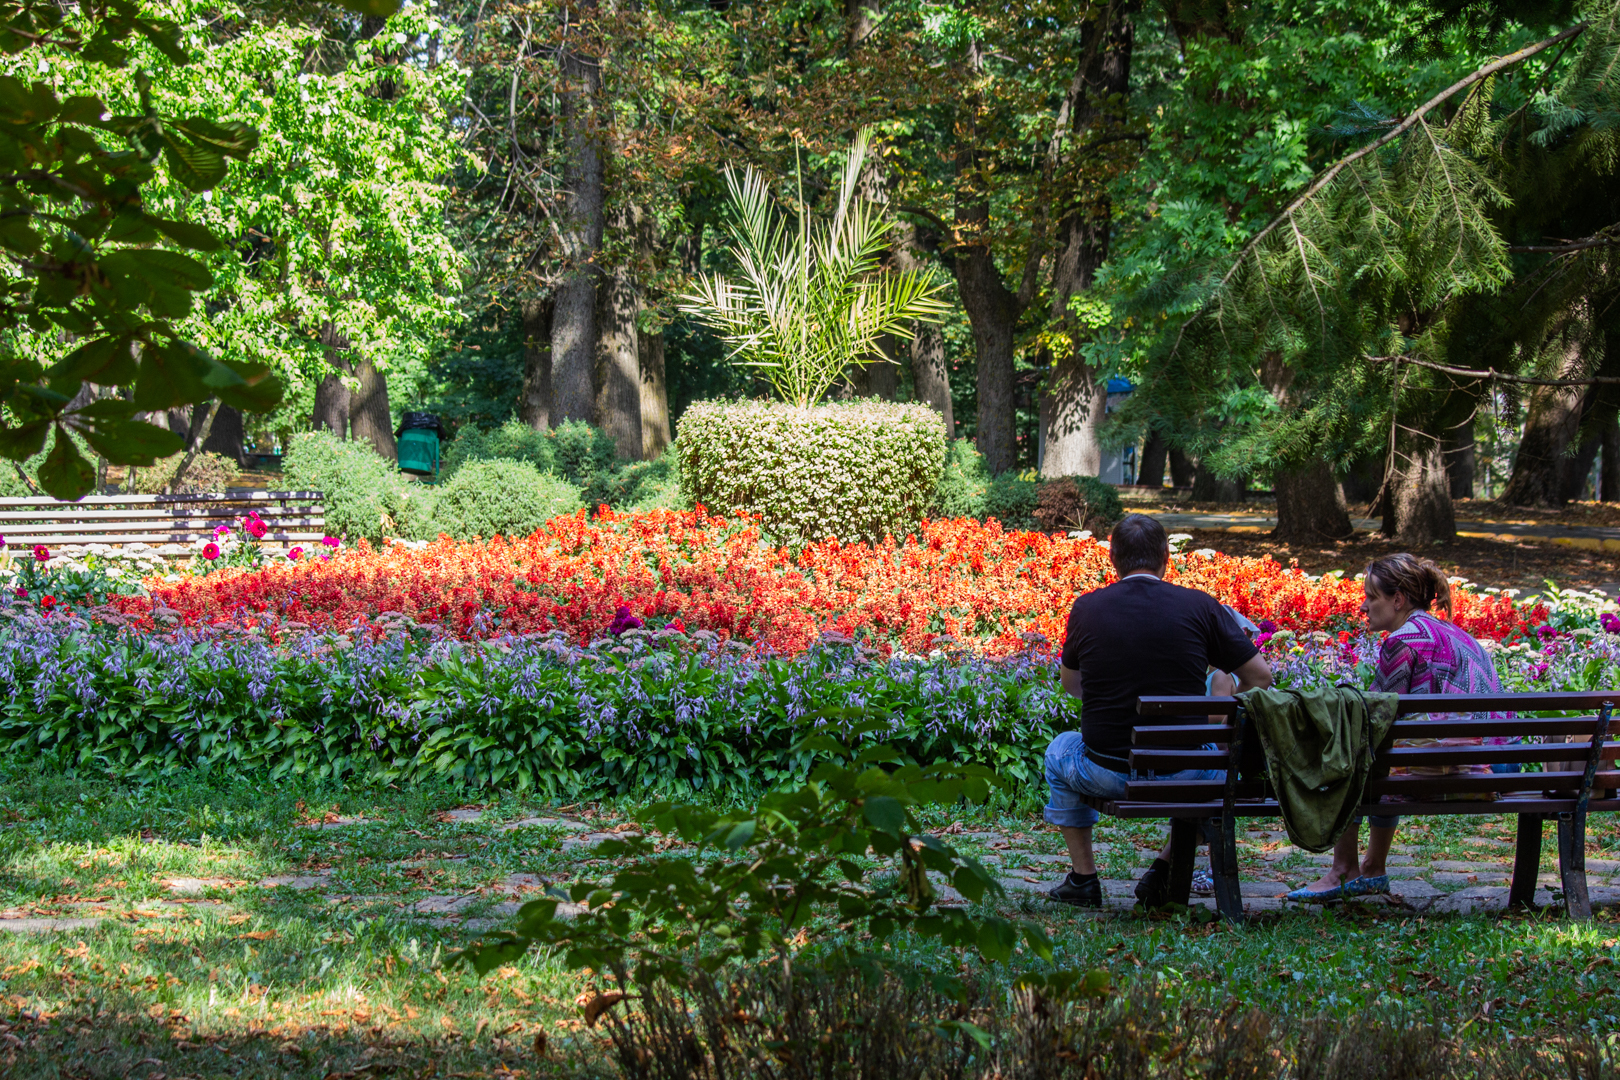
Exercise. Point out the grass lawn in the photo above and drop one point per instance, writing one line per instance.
(203, 928)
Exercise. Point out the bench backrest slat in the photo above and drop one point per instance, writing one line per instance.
(1410, 703)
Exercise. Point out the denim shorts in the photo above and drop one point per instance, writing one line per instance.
(1070, 775)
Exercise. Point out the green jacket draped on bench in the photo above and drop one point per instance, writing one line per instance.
(1319, 747)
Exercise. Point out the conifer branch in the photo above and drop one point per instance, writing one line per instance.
(1406, 124)
(1496, 376)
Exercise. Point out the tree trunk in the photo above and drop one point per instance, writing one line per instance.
(1459, 450)
(331, 396)
(573, 321)
(929, 375)
(1076, 404)
(883, 373)
(618, 357)
(1417, 493)
(205, 414)
(655, 430)
(227, 436)
(1207, 487)
(992, 309)
(1364, 481)
(1609, 473)
(1551, 419)
(993, 312)
(1577, 467)
(534, 400)
(1310, 503)
(1074, 408)
(1182, 468)
(369, 417)
(1154, 452)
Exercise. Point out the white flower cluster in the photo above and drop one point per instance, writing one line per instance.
(855, 470)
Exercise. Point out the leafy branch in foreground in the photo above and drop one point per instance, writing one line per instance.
(757, 883)
(84, 260)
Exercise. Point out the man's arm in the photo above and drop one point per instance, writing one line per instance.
(1071, 680)
(1254, 674)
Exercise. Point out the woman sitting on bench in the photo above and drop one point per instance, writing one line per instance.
(1421, 655)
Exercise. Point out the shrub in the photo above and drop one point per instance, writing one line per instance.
(1011, 499)
(964, 482)
(851, 470)
(207, 473)
(648, 485)
(1078, 502)
(501, 498)
(362, 489)
(512, 441)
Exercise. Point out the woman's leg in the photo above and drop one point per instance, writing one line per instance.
(1346, 860)
(1379, 839)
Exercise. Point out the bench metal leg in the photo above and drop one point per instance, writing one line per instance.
(1572, 864)
(1183, 849)
(1224, 868)
(1526, 862)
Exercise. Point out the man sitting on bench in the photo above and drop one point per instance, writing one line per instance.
(1140, 635)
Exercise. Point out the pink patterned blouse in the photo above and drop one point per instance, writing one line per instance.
(1427, 656)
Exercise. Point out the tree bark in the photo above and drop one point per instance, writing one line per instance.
(929, 376)
(1154, 452)
(227, 436)
(1459, 450)
(618, 357)
(655, 429)
(1551, 419)
(1076, 405)
(1417, 493)
(369, 417)
(1577, 467)
(1310, 503)
(1609, 472)
(209, 411)
(331, 396)
(1181, 469)
(573, 321)
(883, 373)
(1208, 487)
(534, 400)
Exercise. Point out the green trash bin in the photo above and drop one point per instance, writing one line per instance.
(418, 436)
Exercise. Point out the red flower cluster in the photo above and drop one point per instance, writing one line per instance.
(977, 584)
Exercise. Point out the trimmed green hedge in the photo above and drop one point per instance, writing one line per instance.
(852, 470)
(501, 498)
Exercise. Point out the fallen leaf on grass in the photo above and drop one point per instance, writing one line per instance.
(593, 1005)
(256, 935)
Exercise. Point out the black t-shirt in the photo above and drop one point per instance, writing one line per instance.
(1144, 636)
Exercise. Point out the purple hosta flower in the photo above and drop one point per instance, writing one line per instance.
(623, 620)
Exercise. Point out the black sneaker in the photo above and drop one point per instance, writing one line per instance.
(1079, 891)
(1153, 891)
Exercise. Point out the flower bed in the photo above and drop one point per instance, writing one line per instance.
(647, 711)
(953, 582)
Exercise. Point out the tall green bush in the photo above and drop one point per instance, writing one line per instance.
(851, 470)
(363, 490)
(512, 441)
(575, 451)
(963, 483)
(501, 498)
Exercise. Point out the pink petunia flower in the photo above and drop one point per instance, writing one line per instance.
(210, 551)
(331, 541)
(40, 553)
(222, 531)
(295, 554)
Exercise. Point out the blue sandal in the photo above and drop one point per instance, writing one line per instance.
(1367, 886)
(1326, 896)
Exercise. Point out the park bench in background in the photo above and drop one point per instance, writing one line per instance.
(1564, 796)
(170, 524)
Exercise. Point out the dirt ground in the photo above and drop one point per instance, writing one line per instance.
(1521, 565)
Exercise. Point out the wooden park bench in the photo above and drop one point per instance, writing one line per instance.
(1564, 796)
(174, 522)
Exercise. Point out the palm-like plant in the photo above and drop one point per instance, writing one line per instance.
(809, 301)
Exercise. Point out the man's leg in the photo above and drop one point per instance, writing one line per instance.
(1079, 843)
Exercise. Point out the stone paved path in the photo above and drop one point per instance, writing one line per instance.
(1027, 865)
(1592, 537)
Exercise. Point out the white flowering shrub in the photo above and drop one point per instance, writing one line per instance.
(855, 470)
